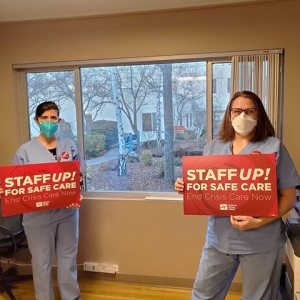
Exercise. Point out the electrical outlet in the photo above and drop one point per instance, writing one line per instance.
(101, 267)
(90, 266)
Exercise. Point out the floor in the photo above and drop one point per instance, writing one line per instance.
(103, 290)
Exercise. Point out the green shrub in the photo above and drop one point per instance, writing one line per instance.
(107, 128)
(160, 167)
(94, 144)
(179, 136)
(147, 157)
(189, 134)
(149, 144)
(103, 126)
(111, 138)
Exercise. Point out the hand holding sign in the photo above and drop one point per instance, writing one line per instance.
(245, 222)
(76, 205)
(179, 185)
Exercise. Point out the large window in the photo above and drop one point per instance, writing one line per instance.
(134, 122)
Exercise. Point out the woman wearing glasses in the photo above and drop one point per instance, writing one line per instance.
(255, 243)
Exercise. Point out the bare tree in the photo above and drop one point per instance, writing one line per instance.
(189, 88)
(121, 158)
(96, 89)
(59, 87)
(169, 128)
(135, 90)
(158, 122)
(40, 88)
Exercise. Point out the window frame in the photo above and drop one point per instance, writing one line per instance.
(23, 117)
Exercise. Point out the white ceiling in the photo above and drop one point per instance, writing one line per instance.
(21, 10)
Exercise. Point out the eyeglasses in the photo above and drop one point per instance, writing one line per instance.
(248, 111)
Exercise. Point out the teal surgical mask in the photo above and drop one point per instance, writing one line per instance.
(48, 128)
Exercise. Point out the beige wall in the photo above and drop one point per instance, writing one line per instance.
(149, 238)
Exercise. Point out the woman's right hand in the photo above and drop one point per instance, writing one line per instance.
(76, 205)
(1, 192)
(179, 185)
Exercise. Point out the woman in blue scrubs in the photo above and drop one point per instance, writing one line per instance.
(53, 232)
(254, 243)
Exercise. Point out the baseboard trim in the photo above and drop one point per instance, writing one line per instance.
(149, 280)
(138, 279)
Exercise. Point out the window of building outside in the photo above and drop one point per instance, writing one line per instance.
(149, 121)
(150, 115)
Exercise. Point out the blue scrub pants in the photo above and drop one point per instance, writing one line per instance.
(260, 274)
(44, 242)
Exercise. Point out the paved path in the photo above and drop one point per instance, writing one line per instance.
(110, 155)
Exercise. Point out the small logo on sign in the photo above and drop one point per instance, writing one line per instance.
(44, 203)
(223, 207)
(65, 155)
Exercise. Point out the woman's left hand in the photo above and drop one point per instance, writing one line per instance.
(245, 222)
(75, 205)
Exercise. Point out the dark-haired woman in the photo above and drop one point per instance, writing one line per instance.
(51, 232)
(254, 243)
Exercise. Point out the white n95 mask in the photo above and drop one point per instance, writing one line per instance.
(243, 124)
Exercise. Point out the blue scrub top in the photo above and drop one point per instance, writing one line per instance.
(221, 234)
(34, 152)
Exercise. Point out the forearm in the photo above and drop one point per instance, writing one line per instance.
(286, 202)
(285, 205)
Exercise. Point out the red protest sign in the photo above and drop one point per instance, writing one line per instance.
(37, 187)
(224, 185)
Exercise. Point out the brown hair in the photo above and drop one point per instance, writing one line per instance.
(44, 106)
(264, 126)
